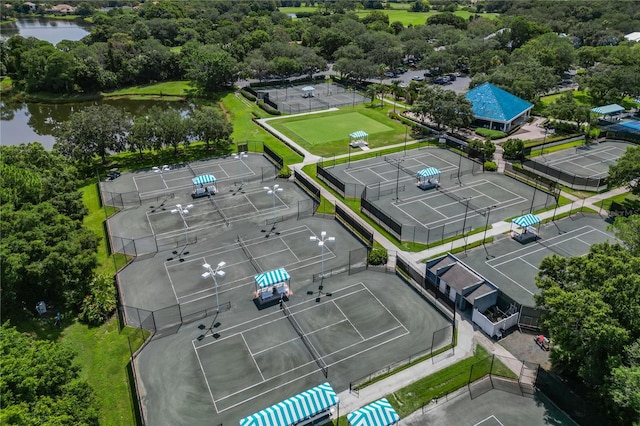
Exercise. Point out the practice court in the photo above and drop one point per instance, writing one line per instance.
(591, 160)
(513, 266)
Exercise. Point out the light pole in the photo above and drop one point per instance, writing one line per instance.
(272, 190)
(322, 240)
(182, 211)
(349, 158)
(533, 199)
(406, 131)
(161, 170)
(213, 273)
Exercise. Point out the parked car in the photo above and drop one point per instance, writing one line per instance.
(442, 80)
(542, 341)
(389, 74)
(417, 78)
(452, 77)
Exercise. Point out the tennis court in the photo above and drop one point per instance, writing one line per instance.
(244, 259)
(513, 266)
(494, 408)
(294, 100)
(464, 200)
(176, 178)
(318, 130)
(592, 160)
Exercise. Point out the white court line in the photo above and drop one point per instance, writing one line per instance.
(529, 263)
(204, 375)
(347, 318)
(252, 357)
(292, 252)
(490, 417)
(298, 338)
(390, 313)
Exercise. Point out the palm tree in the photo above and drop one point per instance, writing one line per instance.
(395, 89)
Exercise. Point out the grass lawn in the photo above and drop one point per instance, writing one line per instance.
(327, 133)
(167, 88)
(103, 354)
(241, 112)
(627, 200)
(399, 12)
(94, 221)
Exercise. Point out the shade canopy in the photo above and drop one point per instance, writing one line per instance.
(359, 134)
(271, 278)
(428, 172)
(379, 413)
(203, 179)
(526, 220)
(308, 89)
(608, 109)
(291, 411)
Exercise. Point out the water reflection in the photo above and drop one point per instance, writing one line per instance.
(51, 30)
(35, 122)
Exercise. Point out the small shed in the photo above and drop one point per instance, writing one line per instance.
(525, 230)
(428, 178)
(272, 285)
(308, 91)
(358, 139)
(307, 408)
(378, 413)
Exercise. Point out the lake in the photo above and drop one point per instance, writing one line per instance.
(51, 30)
(35, 122)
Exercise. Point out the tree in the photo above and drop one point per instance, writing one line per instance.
(171, 129)
(100, 303)
(590, 307)
(211, 68)
(627, 229)
(93, 131)
(626, 171)
(513, 149)
(40, 383)
(210, 125)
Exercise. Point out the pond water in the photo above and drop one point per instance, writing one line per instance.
(35, 122)
(51, 30)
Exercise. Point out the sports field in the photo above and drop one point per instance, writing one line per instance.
(327, 133)
(319, 130)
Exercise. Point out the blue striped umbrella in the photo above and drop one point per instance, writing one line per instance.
(299, 407)
(203, 179)
(526, 220)
(359, 134)
(379, 413)
(428, 172)
(267, 279)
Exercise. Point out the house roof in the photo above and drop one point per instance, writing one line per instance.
(634, 36)
(492, 103)
(480, 291)
(445, 261)
(459, 277)
(608, 109)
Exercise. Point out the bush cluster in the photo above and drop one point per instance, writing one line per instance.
(490, 166)
(268, 108)
(248, 95)
(378, 256)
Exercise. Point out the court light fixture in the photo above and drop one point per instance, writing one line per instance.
(240, 155)
(272, 190)
(213, 273)
(182, 211)
(322, 241)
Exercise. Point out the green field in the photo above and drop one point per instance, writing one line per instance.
(398, 13)
(328, 133)
(320, 130)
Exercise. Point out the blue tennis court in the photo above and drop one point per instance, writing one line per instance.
(630, 124)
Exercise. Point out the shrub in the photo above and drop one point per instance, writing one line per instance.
(248, 95)
(490, 166)
(488, 133)
(513, 149)
(378, 256)
(100, 303)
(285, 172)
(268, 108)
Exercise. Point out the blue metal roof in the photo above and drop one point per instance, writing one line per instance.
(359, 134)
(203, 179)
(608, 109)
(379, 413)
(428, 172)
(492, 103)
(297, 408)
(269, 278)
(526, 220)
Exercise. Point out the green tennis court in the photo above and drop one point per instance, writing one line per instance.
(318, 130)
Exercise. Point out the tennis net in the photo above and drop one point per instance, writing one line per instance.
(312, 350)
(219, 210)
(397, 163)
(461, 200)
(248, 254)
(192, 171)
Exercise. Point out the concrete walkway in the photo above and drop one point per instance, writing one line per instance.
(468, 337)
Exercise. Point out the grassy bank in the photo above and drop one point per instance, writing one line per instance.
(178, 89)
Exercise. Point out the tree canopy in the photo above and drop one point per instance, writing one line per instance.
(40, 385)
